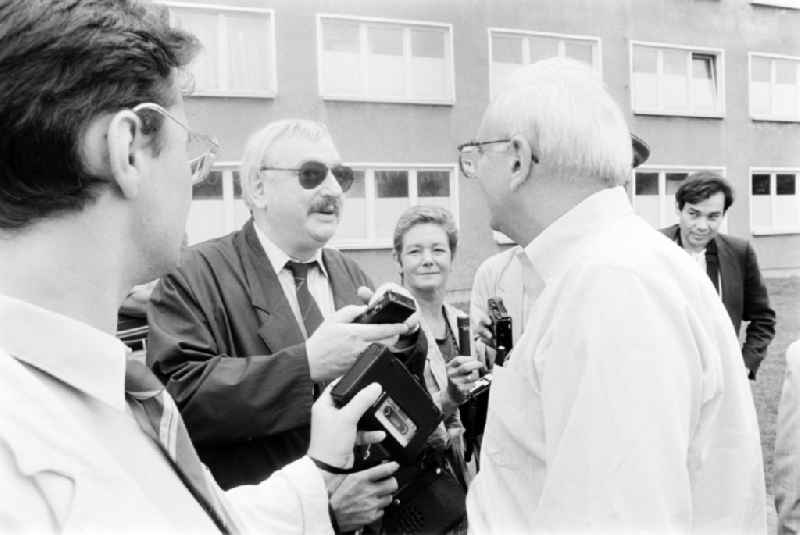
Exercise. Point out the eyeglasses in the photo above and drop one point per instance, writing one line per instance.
(201, 149)
(313, 173)
(470, 152)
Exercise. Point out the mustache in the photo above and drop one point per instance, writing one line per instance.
(326, 203)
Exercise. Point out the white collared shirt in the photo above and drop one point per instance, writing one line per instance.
(510, 276)
(318, 282)
(625, 406)
(73, 458)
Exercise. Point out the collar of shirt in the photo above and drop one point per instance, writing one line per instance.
(73, 352)
(553, 250)
(278, 258)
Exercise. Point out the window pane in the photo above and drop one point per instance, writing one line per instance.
(761, 184)
(785, 88)
(433, 183)
(391, 183)
(760, 69)
(645, 59)
(673, 182)
(646, 199)
(203, 24)
(237, 186)
(704, 80)
(391, 189)
(340, 36)
(430, 76)
(507, 49)
(357, 190)
(646, 183)
(386, 67)
(675, 80)
(249, 43)
(210, 188)
(353, 224)
(341, 64)
(784, 184)
(785, 71)
(427, 43)
(580, 50)
(385, 40)
(542, 47)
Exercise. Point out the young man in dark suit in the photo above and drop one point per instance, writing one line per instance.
(252, 324)
(731, 263)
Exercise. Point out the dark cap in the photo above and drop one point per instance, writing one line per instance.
(641, 151)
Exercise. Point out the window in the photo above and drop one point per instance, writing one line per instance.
(774, 87)
(217, 207)
(380, 193)
(238, 55)
(792, 4)
(384, 60)
(653, 191)
(677, 80)
(511, 49)
(774, 201)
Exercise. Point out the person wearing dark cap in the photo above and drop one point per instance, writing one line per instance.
(701, 203)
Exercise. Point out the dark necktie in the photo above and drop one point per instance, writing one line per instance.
(712, 265)
(309, 310)
(158, 416)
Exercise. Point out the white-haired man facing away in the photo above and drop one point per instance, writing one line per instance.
(625, 406)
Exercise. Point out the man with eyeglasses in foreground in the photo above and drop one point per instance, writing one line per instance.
(624, 407)
(250, 326)
(94, 193)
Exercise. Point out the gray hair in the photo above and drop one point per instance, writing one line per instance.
(259, 144)
(418, 215)
(565, 112)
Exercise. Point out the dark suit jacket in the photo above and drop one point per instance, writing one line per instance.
(225, 341)
(744, 295)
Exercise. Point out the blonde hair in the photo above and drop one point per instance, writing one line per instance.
(259, 144)
(567, 115)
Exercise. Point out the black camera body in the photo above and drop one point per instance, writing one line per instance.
(405, 410)
(501, 328)
(391, 307)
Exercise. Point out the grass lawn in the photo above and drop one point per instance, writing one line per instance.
(784, 296)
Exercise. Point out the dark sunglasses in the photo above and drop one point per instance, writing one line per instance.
(312, 173)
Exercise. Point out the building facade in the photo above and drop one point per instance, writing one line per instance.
(709, 84)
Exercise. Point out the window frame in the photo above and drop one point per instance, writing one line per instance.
(718, 53)
(223, 64)
(527, 33)
(772, 230)
(369, 168)
(406, 25)
(667, 204)
(771, 116)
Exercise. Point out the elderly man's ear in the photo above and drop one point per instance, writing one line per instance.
(522, 161)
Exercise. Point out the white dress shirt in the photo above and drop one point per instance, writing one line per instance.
(624, 407)
(510, 276)
(73, 459)
(318, 283)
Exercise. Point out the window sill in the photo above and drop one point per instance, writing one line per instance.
(776, 3)
(233, 94)
(348, 98)
(763, 231)
(699, 115)
(774, 118)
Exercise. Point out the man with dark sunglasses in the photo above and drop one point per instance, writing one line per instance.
(251, 325)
